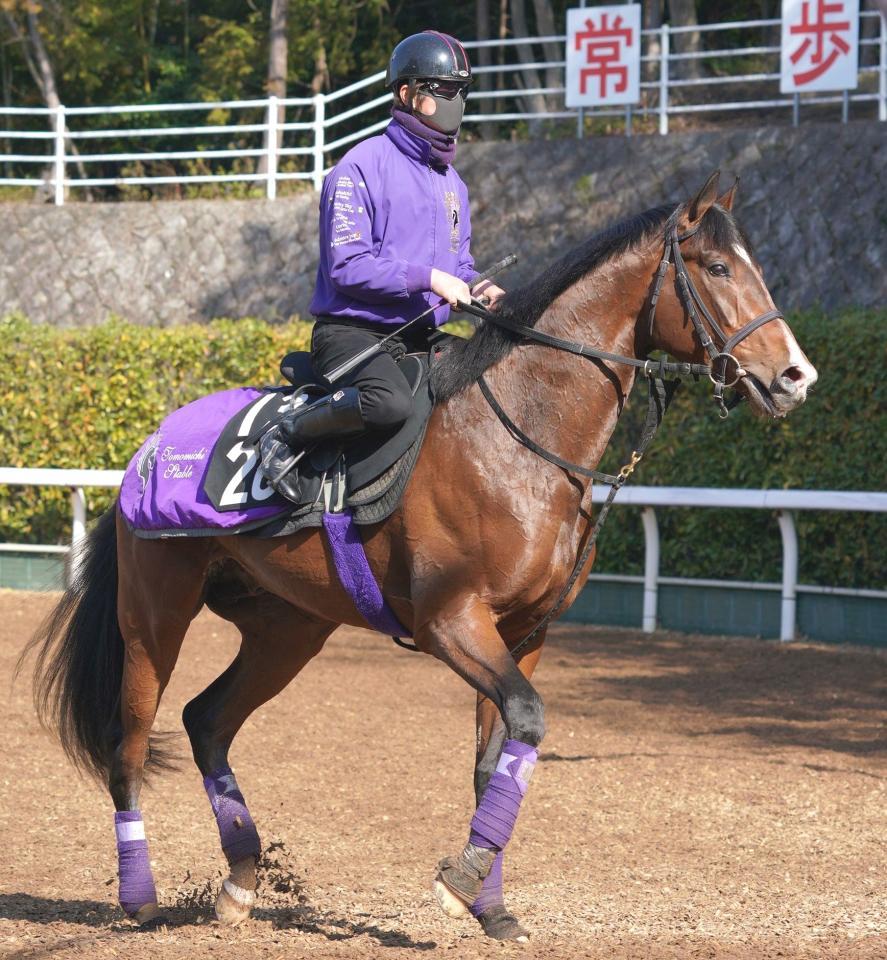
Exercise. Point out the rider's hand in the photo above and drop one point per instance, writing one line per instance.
(449, 288)
(488, 290)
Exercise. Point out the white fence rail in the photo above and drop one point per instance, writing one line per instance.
(269, 141)
(784, 502)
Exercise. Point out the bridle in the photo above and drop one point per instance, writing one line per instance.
(720, 359)
(718, 370)
(661, 391)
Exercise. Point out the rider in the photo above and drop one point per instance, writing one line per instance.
(395, 234)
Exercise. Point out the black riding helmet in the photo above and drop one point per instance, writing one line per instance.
(436, 63)
(428, 56)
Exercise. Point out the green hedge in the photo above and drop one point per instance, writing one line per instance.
(93, 395)
(89, 397)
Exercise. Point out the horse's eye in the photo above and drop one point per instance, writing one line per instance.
(718, 270)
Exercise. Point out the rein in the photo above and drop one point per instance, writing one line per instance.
(661, 391)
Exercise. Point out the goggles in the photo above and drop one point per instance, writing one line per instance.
(445, 89)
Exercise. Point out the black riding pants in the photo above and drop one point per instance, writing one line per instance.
(385, 396)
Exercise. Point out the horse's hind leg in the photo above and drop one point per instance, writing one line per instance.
(489, 909)
(159, 592)
(278, 640)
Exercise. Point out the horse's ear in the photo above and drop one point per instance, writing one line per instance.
(700, 204)
(729, 198)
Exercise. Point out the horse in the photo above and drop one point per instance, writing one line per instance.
(479, 549)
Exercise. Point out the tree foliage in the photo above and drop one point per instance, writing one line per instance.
(139, 51)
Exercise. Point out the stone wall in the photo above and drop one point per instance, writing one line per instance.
(812, 199)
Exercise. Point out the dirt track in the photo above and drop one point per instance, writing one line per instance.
(696, 798)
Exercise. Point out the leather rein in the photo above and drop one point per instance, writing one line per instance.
(723, 364)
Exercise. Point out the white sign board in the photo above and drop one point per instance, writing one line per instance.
(820, 45)
(604, 55)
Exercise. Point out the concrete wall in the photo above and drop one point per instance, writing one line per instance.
(812, 199)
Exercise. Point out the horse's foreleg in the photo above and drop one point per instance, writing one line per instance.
(489, 908)
(277, 642)
(466, 638)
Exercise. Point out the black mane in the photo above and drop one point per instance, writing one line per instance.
(465, 360)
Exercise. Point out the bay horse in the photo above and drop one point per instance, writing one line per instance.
(479, 549)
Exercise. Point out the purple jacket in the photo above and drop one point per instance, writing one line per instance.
(386, 218)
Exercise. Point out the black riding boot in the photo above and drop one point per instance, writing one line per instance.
(338, 415)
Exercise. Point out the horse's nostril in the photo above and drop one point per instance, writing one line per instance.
(794, 374)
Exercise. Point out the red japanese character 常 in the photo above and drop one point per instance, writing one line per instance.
(603, 53)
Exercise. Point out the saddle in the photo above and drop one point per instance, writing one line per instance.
(366, 474)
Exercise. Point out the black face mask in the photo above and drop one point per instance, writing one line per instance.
(447, 118)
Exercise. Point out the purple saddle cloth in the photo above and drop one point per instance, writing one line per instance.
(162, 494)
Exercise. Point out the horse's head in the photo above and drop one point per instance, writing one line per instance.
(715, 289)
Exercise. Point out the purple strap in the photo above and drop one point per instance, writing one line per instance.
(136, 882)
(353, 568)
(238, 833)
(496, 814)
(491, 894)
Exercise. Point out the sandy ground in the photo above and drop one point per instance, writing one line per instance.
(696, 798)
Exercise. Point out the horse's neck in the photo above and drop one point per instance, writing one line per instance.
(567, 403)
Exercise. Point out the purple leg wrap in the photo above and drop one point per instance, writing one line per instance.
(238, 833)
(136, 882)
(494, 819)
(491, 892)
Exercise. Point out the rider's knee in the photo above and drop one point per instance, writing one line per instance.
(387, 408)
(525, 717)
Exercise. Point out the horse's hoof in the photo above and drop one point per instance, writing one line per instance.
(459, 879)
(148, 916)
(233, 904)
(451, 905)
(499, 924)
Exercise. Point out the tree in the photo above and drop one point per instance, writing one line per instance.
(533, 102)
(277, 65)
(651, 19)
(545, 28)
(24, 24)
(682, 13)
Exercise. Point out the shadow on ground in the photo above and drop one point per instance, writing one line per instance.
(796, 694)
(108, 917)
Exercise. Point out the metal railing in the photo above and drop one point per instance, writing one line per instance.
(273, 140)
(784, 502)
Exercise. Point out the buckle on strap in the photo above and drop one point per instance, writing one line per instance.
(718, 372)
(628, 469)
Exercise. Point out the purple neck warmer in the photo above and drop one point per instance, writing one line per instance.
(442, 147)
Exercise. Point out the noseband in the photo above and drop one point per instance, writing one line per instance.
(722, 359)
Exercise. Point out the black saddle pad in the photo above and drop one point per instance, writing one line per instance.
(366, 458)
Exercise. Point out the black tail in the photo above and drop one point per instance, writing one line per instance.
(79, 662)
